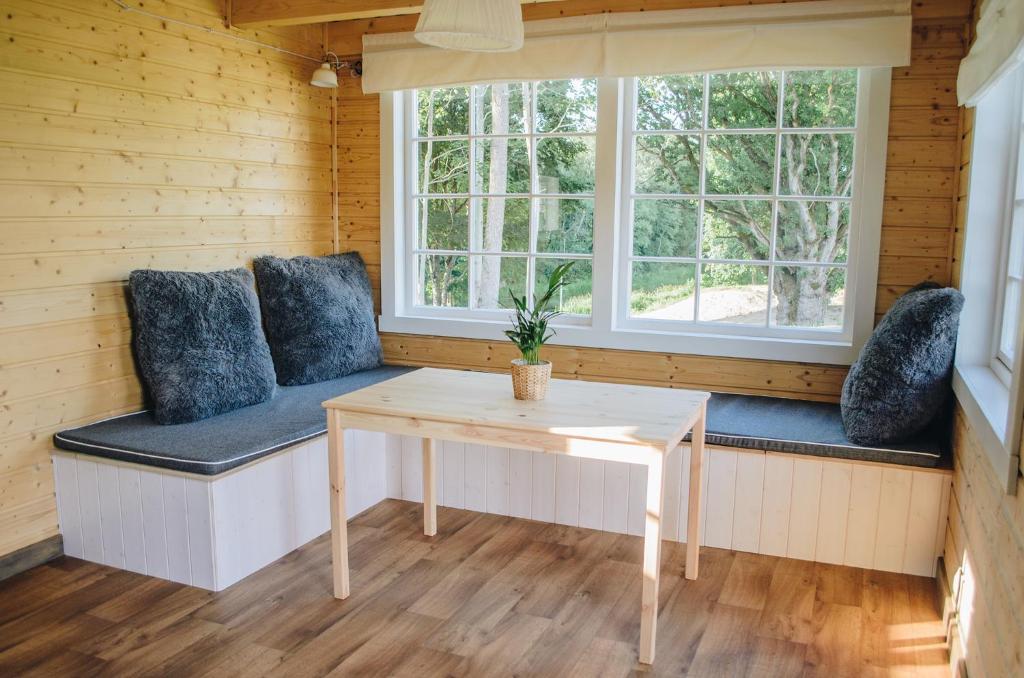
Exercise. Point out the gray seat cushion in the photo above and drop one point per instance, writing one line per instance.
(901, 380)
(295, 414)
(318, 313)
(199, 343)
(816, 429)
(221, 443)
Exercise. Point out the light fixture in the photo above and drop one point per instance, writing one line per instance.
(327, 74)
(471, 25)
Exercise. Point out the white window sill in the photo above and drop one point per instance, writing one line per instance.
(720, 345)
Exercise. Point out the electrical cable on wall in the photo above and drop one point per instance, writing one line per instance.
(138, 10)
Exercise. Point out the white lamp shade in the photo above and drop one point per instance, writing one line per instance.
(471, 25)
(325, 76)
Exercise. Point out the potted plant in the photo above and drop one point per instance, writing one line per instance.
(530, 374)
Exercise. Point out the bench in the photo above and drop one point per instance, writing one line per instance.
(209, 502)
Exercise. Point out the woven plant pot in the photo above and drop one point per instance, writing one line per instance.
(530, 382)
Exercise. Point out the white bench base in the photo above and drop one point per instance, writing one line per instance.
(208, 531)
(211, 532)
(862, 514)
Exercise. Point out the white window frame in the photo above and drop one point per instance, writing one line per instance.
(988, 390)
(609, 326)
(696, 326)
(411, 179)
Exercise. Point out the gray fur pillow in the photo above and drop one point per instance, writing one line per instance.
(318, 313)
(900, 382)
(198, 342)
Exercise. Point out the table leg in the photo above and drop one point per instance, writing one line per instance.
(339, 521)
(429, 487)
(652, 557)
(695, 504)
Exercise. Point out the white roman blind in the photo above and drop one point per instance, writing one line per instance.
(819, 33)
(998, 48)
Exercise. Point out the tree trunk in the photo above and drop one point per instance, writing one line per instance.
(802, 296)
(488, 281)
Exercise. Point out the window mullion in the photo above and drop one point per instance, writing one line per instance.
(698, 272)
(605, 277)
(777, 189)
(531, 259)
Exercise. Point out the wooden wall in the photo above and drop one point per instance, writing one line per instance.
(923, 155)
(984, 559)
(128, 142)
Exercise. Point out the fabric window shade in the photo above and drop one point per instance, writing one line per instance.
(998, 48)
(815, 34)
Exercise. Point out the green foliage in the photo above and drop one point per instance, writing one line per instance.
(815, 153)
(530, 325)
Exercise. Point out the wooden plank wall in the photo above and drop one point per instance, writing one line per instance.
(128, 142)
(984, 558)
(917, 235)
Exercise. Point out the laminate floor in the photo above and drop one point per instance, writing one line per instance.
(488, 595)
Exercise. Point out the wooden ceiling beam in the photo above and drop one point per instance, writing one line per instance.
(293, 12)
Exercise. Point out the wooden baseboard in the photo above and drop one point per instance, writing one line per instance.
(30, 556)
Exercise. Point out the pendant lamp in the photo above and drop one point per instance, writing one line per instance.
(471, 25)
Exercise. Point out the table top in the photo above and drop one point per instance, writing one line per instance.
(612, 413)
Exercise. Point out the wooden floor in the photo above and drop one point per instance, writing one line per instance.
(488, 596)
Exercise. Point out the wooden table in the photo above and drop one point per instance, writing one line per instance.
(613, 422)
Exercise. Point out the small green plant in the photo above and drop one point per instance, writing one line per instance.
(530, 326)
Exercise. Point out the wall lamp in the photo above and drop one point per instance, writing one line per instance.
(327, 74)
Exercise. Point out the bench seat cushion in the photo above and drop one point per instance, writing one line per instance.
(220, 443)
(812, 428)
(215, 445)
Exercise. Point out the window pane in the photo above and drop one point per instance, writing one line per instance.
(665, 228)
(743, 100)
(442, 112)
(741, 164)
(566, 164)
(567, 106)
(670, 102)
(496, 279)
(816, 164)
(503, 165)
(565, 226)
(667, 163)
(443, 167)
(737, 229)
(733, 294)
(820, 98)
(808, 296)
(503, 109)
(1008, 333)
(812, 230)
(662, 290)
(576, 296)
(1015, 260)
(502, 225)
(443, 280)
(444, 223)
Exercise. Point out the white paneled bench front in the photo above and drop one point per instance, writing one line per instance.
(210, 502)
(779, 478)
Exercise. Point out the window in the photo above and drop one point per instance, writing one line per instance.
(988, 375)
(704, 212)
(740, 198)
(504, 192)
(1013, 265)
